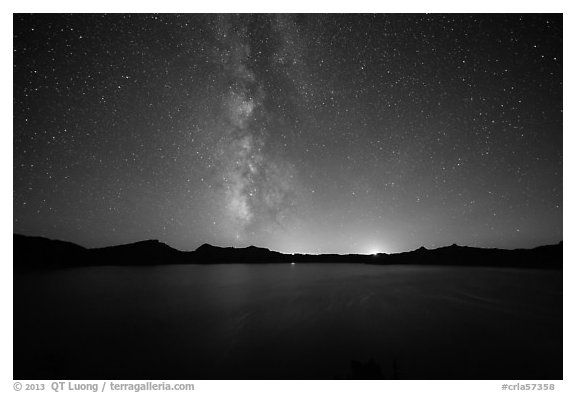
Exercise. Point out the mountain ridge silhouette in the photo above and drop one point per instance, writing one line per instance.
(32, 252)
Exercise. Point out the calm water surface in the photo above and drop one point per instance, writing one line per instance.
(288, 321)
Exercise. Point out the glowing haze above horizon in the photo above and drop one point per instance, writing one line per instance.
(299, 133)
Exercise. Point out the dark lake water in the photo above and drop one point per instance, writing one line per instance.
(305, 321)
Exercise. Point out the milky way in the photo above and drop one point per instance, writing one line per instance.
(259, 188)
(301, 133)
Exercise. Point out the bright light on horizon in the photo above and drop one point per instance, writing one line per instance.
(375, 250)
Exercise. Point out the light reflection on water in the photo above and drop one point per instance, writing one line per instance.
(299, 321)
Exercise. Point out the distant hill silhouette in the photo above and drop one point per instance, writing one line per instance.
(38, 252)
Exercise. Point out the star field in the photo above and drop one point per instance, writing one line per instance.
(301, 133)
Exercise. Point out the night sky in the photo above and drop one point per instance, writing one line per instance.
(300, 133)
